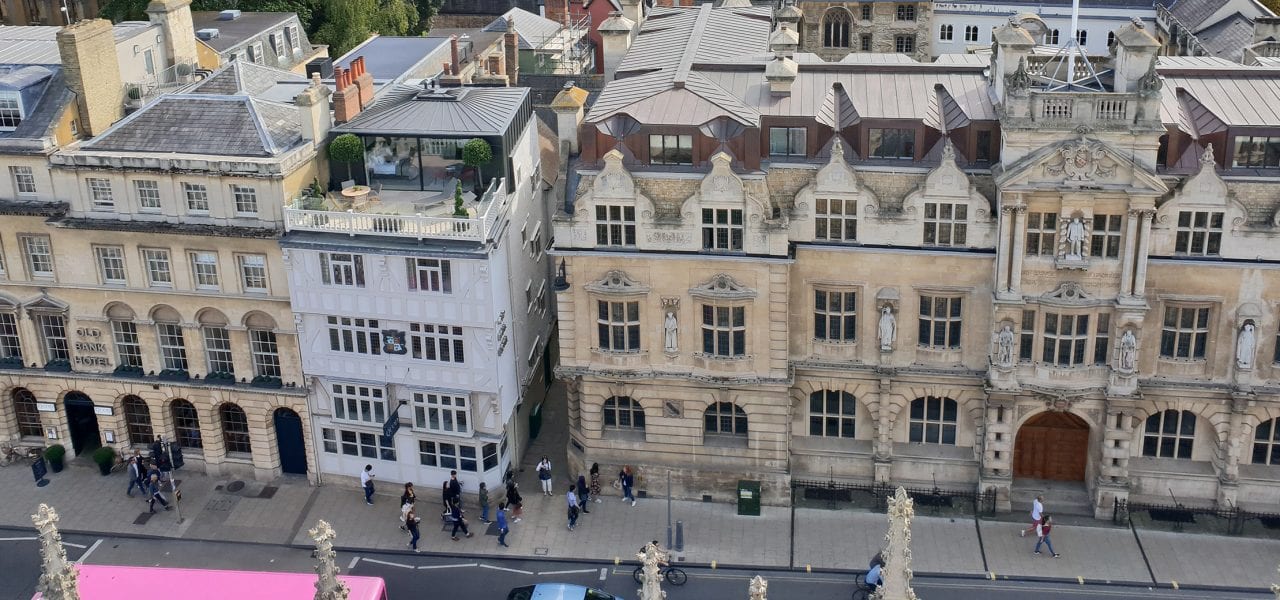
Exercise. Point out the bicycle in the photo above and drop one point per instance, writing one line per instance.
(673, 575)
(12, 454)
(861, 591)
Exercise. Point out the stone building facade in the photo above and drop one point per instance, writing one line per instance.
(834, 29)
(1086, 302)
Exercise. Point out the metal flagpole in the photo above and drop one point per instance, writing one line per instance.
(1075, 41)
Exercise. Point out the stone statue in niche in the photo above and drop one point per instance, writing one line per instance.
(1075, 239)
(1004, 347)
(888, 329)
(1128, 351)
(1245, 346)
(671, 329)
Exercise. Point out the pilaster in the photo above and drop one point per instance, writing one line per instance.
(1144, 247)
(1019, 250)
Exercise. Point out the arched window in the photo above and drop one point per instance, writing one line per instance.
(621, 412)
(831, 414)
(1266, 443)
(933, 420)
(835, 28)
(186, 424)
(24, 406)
(235, 428)
(1082, 37)
(946, 32)
(1169, 434)
(1111, 38)
(137, 419)
(1051, 38)
(725, 418)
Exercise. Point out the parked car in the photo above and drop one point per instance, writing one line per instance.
(559, 591)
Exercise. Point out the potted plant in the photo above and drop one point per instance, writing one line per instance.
(220, 377)
(458, 210)
(58, 364)
(106, 458)
(346, 148)
(475, 154)
(54, 454)
(134, 93)
(174, 375)
(265, 381)
(128, 371)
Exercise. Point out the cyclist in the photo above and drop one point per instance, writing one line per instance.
(873, 577)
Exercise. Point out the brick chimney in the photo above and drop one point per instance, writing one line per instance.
(346, 100)
(511, 50)
(174, 19)
(92, 70)
(454, 63)
(363, 81)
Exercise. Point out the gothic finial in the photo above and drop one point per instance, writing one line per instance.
(1150, 83)
(895, 575)
(328, 586)
(758, 589)
(57, 576)
(651, 580)
(948, 151)
(1206, 157)
(1019, 81)
(837, 149)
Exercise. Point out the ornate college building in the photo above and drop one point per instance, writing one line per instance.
(957, 273)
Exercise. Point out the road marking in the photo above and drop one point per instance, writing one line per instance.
(565, 572)
(353, 563)
(18, 539)
(389, 564)
(514, 570)
(80, 546)
(604, 572)
(446, 566)
(86, 554)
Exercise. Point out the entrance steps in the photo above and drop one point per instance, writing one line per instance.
(1060, 497)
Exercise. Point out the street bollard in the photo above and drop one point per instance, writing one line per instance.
(679, 536)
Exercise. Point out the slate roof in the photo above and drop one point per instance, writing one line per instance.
(29, 45)
(670, 35)
(1192, 13)
(219, 125)
(411, 111)
(243, 28)
(1223, 27)
(1228, 37)
(534, 31)
(244, 77)
(40, 119)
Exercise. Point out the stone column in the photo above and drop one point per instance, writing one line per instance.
(1229, 477)
(1019, 249)
(57, 575)
(29, 339)
(1113, 473)
(883, 447)
(241, 352)
(997, 454)
(651, 581)
(895, 576)
(1002, 251)
(328, 586)
(193, 341)
(1144, 246)
(1128, 260)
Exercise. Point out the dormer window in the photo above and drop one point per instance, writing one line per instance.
(671, 149)
(10, 110)
(1257, 152)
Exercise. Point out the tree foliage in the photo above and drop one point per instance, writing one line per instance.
(346, 148)
(476, 154)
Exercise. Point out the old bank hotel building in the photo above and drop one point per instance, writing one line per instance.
(780, 268)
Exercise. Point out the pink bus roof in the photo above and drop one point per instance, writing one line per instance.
(99, 582)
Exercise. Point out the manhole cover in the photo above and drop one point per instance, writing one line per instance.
(220, 505)
(235, 486)
(268, 492)
(142, 519)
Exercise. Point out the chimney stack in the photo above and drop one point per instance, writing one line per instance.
(363, 81)
(313, 110)
(346, 100)
(632, 11)
(92, 70)
(511, 51)
(615, 36)
(1135, 49)
(453, 55)
(781, 73)
(174, 19)
(784, 40)
(568, 105)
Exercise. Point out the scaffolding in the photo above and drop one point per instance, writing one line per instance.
(570, 51)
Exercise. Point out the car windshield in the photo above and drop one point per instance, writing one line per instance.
(598, 595)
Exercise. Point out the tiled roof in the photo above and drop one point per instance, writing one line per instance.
(241, 29)
(408, 110)
(1192, 13)
(534, 31)
(1228, 37)
(670, 35)
(204, 124)
(1201, 101)
(244, 77)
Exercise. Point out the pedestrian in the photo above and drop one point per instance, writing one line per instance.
(484, 503)
(502, 525)
(411, 522)
(544, 475)
(1042, 532)
(572, 500)
(445, 497)
(459, 521)
(153, 490)
(1037, 510)
(514, 500)
(366, 482)
(135, 477)
(627, 480)
(595, 481)
(407, 500)
(455, 488)
(584, 495)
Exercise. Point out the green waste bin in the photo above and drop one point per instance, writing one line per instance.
(749, 497)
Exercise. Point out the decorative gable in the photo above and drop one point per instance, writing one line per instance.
(617, 283)
(722, 185)
(722, 287)
(1203, 191)
(947, 180)
(613, 182)
(1070, 294)
(1080, 163)
(836, 176)
(45, 303)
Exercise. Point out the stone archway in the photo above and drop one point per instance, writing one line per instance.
(1052, 445)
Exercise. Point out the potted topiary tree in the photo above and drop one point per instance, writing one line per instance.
(106, 458)
(346, 148)
(54, 454)
(475, 154)
(458, 211)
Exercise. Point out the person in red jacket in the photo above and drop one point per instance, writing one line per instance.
(1042, 532)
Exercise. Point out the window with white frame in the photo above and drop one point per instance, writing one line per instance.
(1169, 434)
(217, 349)
(615, 225)
(1042, 234)
(933, 421)
(945, 223)
(831, 414)
(1199, 233)
(266, 354)
(128, 349)
(204, 270)
(339, 268)
(53, 336)
(1104, 240)
(618, 326)
(359, 403)
(939, 322)
(724, 331)
(276, 46)
(835, 220)
(1185, 332)
(971, 33)
(110, 264)
(622, 412)
(100, 197)
(441, 343)
(10, 343)
(235, 429)
(148, 193)
(358, 443)
(291, 37)
(447, 456)
(904, 44)
(722, 229)
(536, 248)
(788, 141)
(1065, 338)
(835, 316)
(173, 348)
(10, 110)
(429, 275)
(38, 253)
(1051, 37)
(246, 199)
(357, 336)
(540, 300)
(442, 413)
(253, 272)
(255, 52)
(159, 270)
(197, 197)
(24, 180)
(946, 33)
(1082, 37)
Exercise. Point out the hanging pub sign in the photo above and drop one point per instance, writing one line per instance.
(393, 342)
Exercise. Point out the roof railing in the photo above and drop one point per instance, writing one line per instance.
(308, 214)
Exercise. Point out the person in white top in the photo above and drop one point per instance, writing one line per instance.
(1037, 509)
(366, 482)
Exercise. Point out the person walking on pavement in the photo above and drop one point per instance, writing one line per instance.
(1042, 532)
(446, 497)
(136, 477)
(459, 521)
(595, 481)
(1037, 510)
(153, 490)
(455, 488)
(514, 500)
(484, 503)
(502, 525)
(411, 523)
(584, 496)
(407, 500)
(572, 500)
(544, 475)
(627, 480)
(366, 481)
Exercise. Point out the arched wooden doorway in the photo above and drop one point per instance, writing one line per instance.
(293, 453)
(1052, 445)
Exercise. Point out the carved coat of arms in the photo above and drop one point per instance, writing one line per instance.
(1082, 161)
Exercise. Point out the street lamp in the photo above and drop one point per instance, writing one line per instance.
(173, 481)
